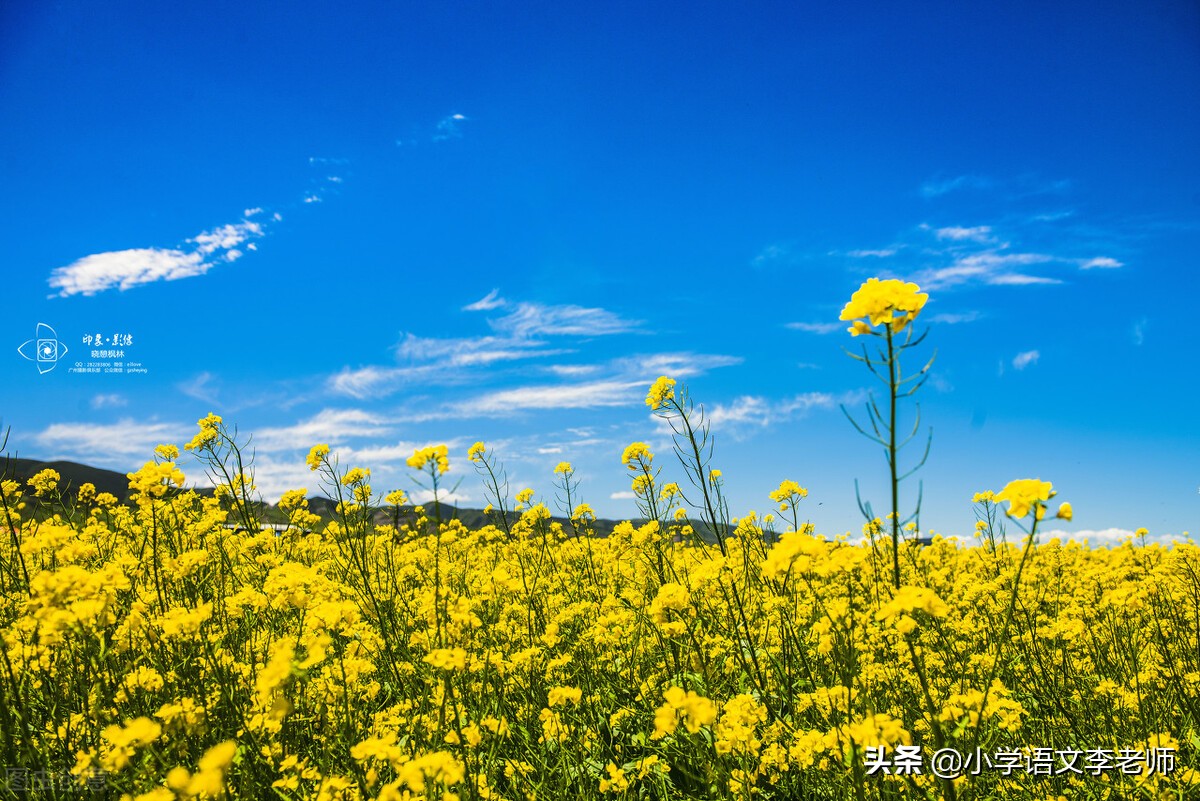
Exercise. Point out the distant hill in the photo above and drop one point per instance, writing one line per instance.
(73, 475)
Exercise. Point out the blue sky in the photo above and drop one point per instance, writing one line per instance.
(400, 224)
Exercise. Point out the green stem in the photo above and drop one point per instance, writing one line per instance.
(892, 461)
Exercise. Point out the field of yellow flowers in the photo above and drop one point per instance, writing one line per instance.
(167, 649)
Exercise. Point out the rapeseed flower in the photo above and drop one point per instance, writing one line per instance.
(44, 482)
(1026, 494)
(661, 391)
(891, 302)
(317, 457)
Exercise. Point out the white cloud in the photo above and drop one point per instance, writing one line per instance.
(312, 198)
(103, 401)
(448, 498)
(980, 233)
(939, 187)
(951, 318)
(751, 410)
(226, 237)
(747, 409)
(769, 254)
(572, 370)
(882, 253)
(491, 300)
(1103, 262)
(449, 127)
(201, 387)
(545, 451)
(1106, 536)
(374, 381)
(330, 426)
(528, 320)
(817, 328)
(624, 495)
(519, 334)
(1139, 331)
(124, 269)
(110, 442)
(683, 364)
(468, 351)
(1023, 360)
(989, 267)
(1021, 279)
(590, 395)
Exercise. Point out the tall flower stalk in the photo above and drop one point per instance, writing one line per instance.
(886, 309)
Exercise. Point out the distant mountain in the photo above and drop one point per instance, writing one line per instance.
(73, 475)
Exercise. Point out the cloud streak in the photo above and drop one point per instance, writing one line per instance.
(125, 269)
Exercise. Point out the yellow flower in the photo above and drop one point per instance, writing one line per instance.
(436, 456)
(661, 391)
(167, 452)
(564, 468)
(891, 302)
(713, 476)
(788, 494)
(1025, 494)
(1064, 511)
(210, 432)
(475, 453)
(356, 475)
(396, 498)
(560, 696)
(317, 456)
(636, 455)
(447, 658)
(44, 482)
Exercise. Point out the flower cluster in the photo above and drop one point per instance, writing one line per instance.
(891, 302)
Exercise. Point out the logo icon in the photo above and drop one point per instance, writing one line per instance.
(44, 349)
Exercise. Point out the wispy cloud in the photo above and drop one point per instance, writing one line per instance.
(880, 253)
(448, 127)
(329, 426)
(623, 495)
(108, 401)
(529, 320)
(952, 318)
(771, 254)
(1019, 186)
(761, 412)
(521, 332)
(1025, 359)
(988, 266)
(109, 443)
(202, 387)
(955, 233)
(1103, 262)
(589, 395)
(817, 328)
(125, 269)
(491, 300)
(1139, 331)
(619, 382)
(942, 186)
(1105, 536)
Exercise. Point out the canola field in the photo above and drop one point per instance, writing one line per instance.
(166, 649)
